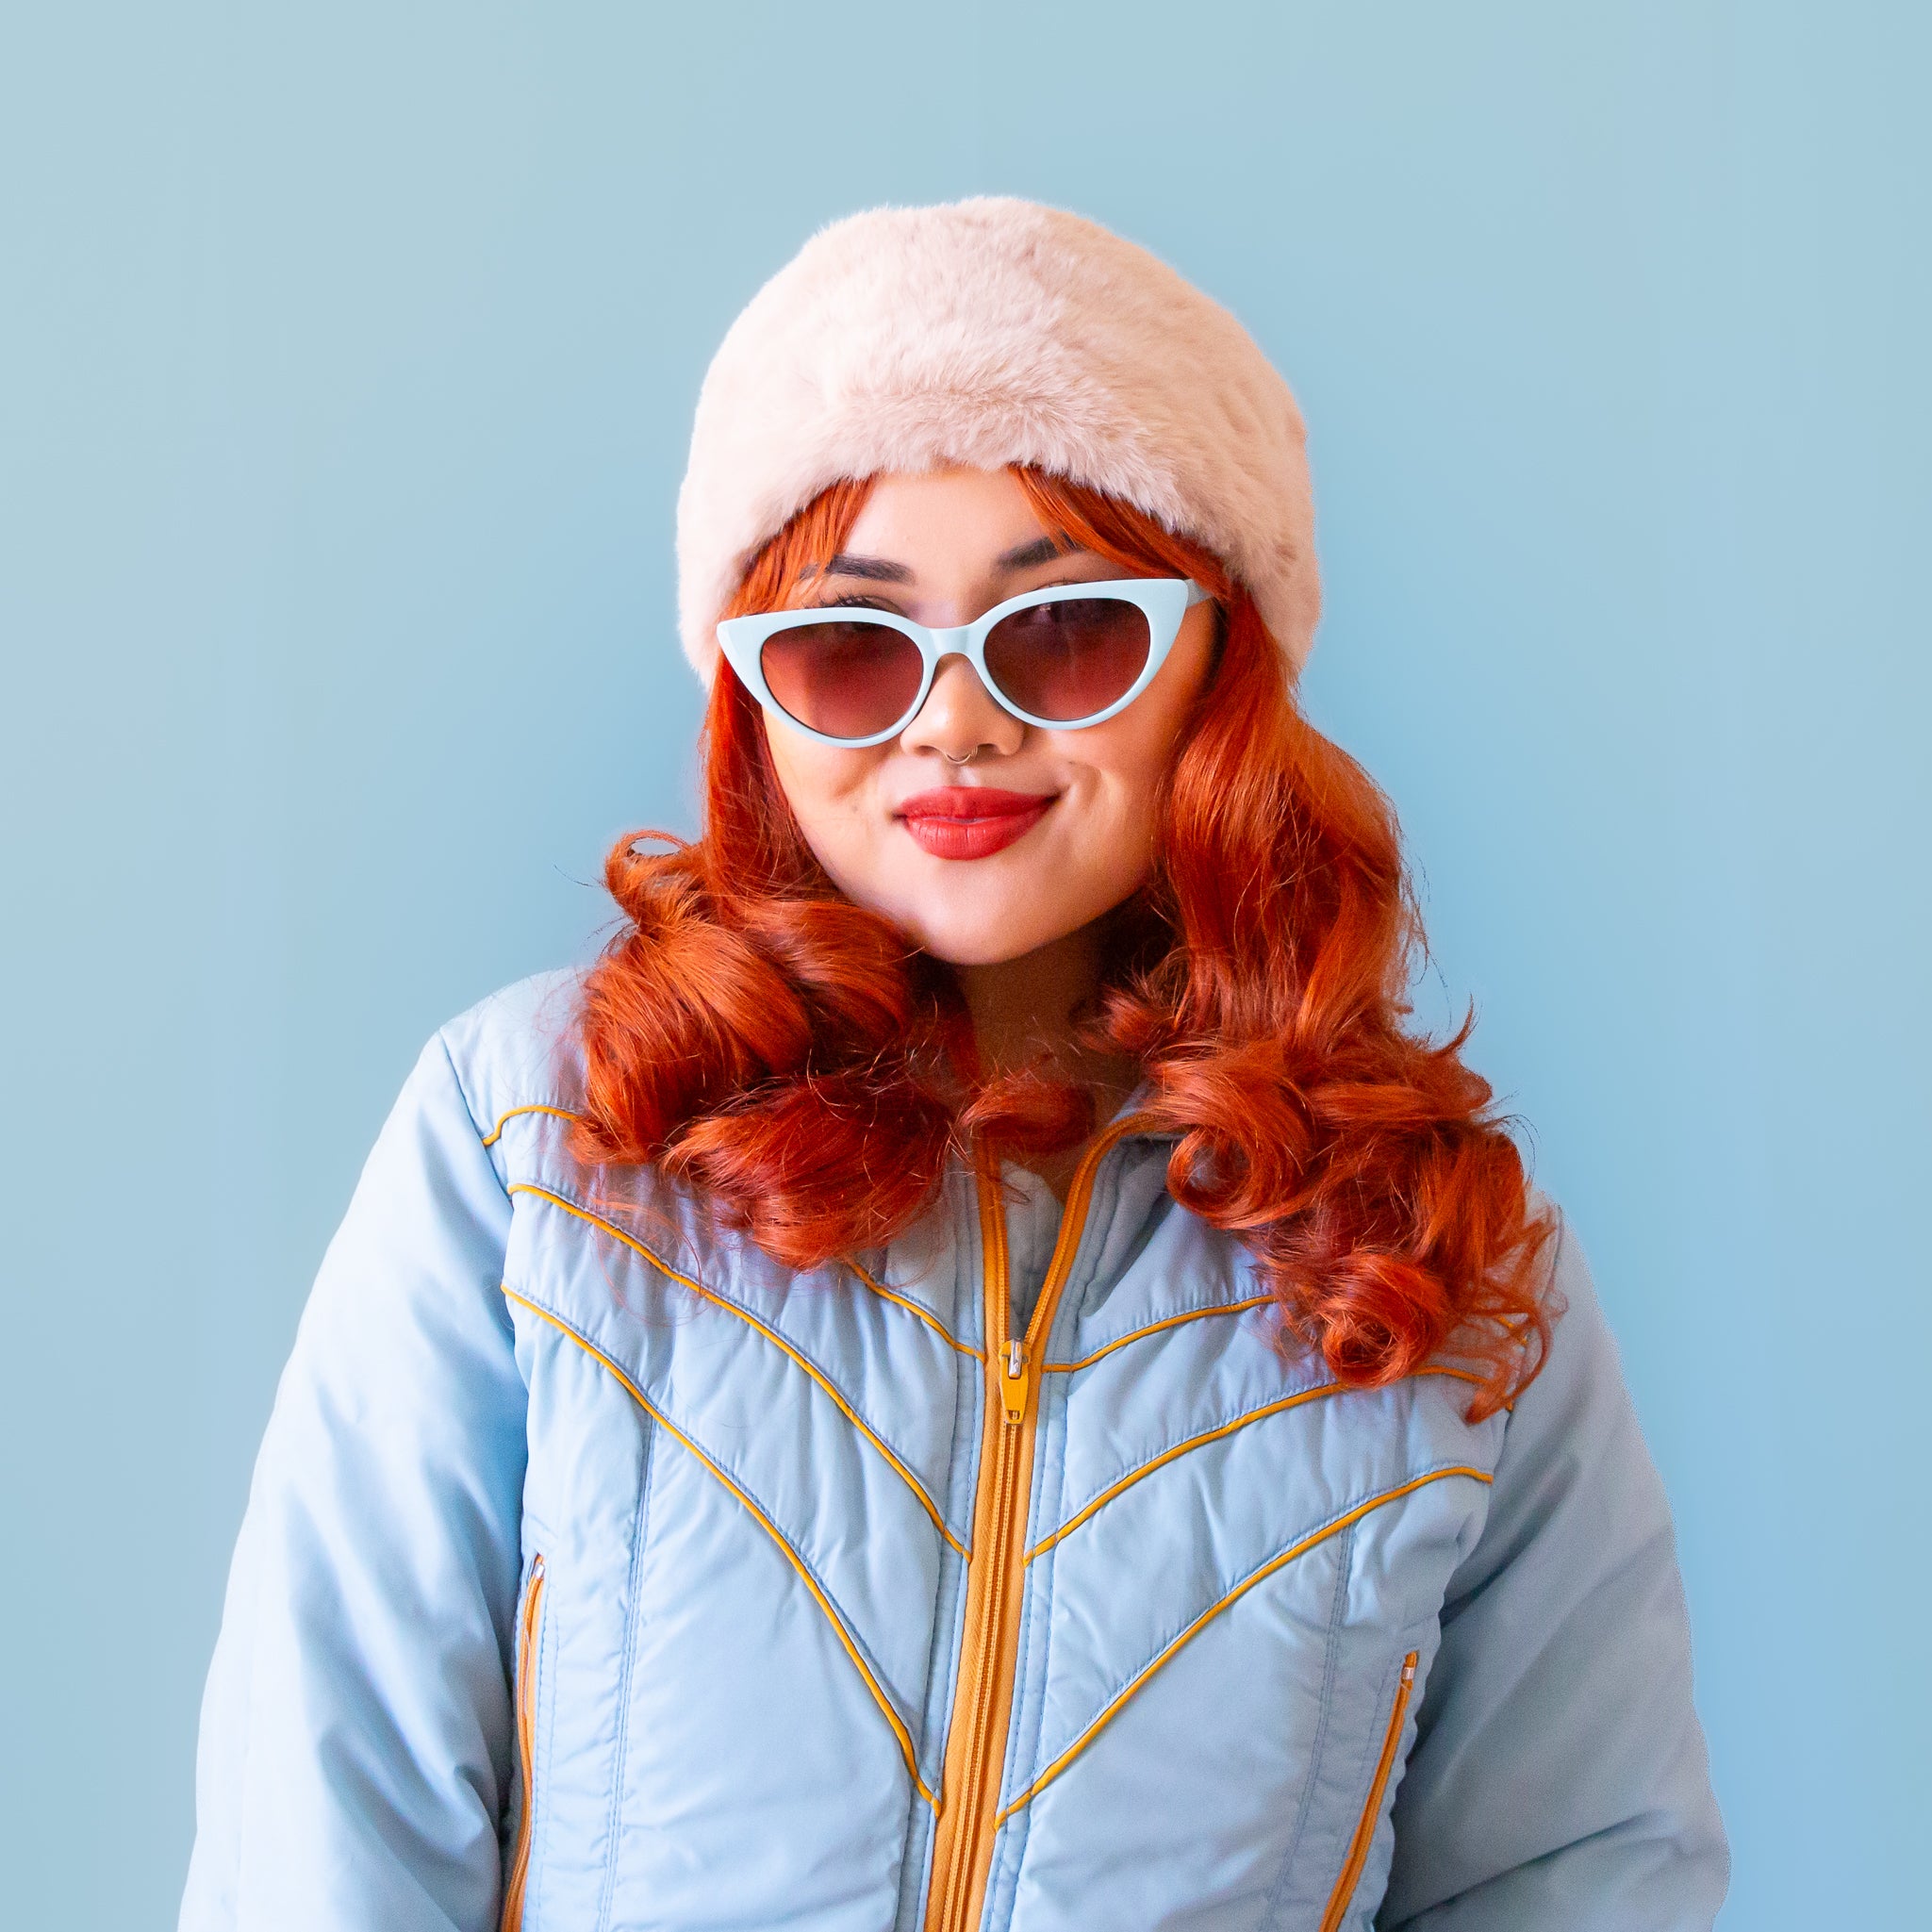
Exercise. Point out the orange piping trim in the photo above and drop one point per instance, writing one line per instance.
(1138, 1681)
(985, 1682)
(771, 1336)
(1206, 1436)
(1195, 1314)
(529, 1626)
(878, 1288)
(1172, 1321)
(1202, 1441)
(764, 1523)
(1372, 1808)
(496, 1132)
(911, 1307)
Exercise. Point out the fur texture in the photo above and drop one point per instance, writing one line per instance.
(987, 331)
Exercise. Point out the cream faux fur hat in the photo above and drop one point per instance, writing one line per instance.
(983, 333)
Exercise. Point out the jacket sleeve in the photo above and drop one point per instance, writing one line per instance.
(1559, 1777)
(356, 1733)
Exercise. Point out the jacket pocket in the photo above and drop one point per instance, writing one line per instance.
(529, 1630)
(1372, 1806)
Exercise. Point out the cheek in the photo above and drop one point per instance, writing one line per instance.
(1110, 836)
(1127, 759)
(827, 789)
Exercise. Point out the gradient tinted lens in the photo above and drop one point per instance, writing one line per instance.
(845, 679)
(1069, 659)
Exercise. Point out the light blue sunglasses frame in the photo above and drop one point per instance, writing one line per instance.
(1162, 601)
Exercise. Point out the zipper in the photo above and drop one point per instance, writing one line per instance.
(528, 1626)
(996, 1571)
(1372, 1810)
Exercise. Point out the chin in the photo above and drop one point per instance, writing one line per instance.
(964, 942)
(963, 950)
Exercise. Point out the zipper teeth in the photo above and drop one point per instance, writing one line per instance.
(966, 1821)
(1371, 1812)
(526, 1744)
(972, 1792)
(968, 1799)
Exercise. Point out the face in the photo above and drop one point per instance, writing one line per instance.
(1042, 832)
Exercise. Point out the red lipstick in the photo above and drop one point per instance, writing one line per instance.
(971, 821)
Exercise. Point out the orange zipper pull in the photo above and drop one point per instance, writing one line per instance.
(1012, 1381)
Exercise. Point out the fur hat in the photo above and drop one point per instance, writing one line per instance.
(983, 333)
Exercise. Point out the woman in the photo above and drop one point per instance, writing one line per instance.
(970, 1373)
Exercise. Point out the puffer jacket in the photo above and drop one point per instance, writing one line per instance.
(600, 1573)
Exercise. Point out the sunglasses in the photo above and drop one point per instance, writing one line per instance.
(1061, 659)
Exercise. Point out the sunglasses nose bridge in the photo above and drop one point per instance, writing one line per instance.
(956, 640)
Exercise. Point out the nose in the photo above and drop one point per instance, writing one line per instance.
(960, 719)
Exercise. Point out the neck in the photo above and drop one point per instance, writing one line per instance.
(1022, 1007)
(1023, 1010)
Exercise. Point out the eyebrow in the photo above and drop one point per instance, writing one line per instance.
(875, 570)
(1043, 550)
(1026, 556)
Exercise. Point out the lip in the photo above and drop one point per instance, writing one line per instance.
(971, 821)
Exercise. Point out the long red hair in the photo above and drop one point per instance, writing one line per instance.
(756, 1035)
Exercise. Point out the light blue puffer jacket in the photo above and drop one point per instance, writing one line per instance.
(600, 1573)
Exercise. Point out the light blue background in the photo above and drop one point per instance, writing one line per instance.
(346, 360)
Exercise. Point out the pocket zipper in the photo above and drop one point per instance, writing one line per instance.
(527, 1627)
(1372, 1809)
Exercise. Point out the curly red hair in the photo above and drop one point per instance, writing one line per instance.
(756, 1035)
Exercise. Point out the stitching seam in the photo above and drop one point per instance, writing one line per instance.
(1343, 1564)
(912, 1307)
(1212, 1435)
(770, 1334)
(1187, 1315)
(878, 1288)
(1139, 1681)
(620, 1751)
(1168, 1455)
(798, 1562)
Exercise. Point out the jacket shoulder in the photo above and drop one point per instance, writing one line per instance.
(521, 1048)
(1581, 1381)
